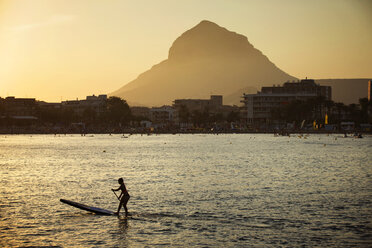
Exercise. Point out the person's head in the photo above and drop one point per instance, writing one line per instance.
(120, 181)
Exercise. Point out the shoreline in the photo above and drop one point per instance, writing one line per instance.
(127, 132)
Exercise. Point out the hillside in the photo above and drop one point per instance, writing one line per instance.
(205, 60)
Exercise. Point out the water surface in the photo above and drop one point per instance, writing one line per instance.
(231, 190)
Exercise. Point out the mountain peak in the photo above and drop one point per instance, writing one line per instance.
(209, 40)
(205, 59)
(207, 23)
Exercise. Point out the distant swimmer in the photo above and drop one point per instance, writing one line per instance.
(123, 197)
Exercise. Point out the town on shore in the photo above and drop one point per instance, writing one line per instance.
(294, 107)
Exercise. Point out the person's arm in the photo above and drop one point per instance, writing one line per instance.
(123, 189)
(116, 189)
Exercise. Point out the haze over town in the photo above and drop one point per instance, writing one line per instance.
(58, 50)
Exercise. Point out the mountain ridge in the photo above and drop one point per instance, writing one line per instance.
(206, 59)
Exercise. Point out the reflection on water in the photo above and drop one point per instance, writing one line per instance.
(187, 190)
(122, 235)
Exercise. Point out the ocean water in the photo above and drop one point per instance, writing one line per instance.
(229, 190)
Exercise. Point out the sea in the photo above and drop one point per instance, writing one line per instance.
(187, 190)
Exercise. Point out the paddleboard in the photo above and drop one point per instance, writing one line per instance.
(95, 210)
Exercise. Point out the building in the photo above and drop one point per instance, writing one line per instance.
(305, 87)
(93, 104)
(162, 114)
(19, 106)
(211, 105)
(140, 112)
(189, 106)
(369, 90)
(49, 105)
(18, 110)
(259, 106)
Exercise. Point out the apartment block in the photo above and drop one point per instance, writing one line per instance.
(259, 106)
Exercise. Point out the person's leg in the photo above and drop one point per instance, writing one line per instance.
(119, 207)
(126, 199)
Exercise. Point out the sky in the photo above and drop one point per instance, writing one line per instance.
(56, 50)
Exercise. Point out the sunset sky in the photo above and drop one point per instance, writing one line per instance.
(62, 50)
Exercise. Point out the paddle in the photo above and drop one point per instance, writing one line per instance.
(116, 195)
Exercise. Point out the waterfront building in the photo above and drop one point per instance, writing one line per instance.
(162, 114)
(94, 104)
(140, 112)
(305, 86)
(259, 106)
(212, 104)
(19, 106)
(18, 110)
(51, 106)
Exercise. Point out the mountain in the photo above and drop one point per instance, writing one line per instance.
(236, 97)
(205, 60)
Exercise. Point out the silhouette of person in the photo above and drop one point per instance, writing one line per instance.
(123, 197)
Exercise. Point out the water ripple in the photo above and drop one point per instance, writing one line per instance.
(187, 190)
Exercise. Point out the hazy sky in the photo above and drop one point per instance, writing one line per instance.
(56, 50)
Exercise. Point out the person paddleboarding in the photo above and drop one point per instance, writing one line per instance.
(123, 197)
